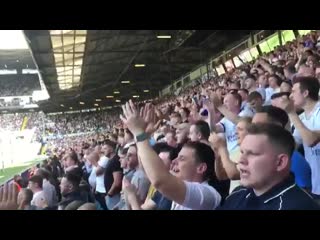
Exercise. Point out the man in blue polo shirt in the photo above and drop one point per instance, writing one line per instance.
(264, 168)
(299, 165)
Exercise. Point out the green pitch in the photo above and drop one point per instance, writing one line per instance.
(8, 173)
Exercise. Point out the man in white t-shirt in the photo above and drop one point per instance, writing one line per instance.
(232, 104)
(274, 87)
(263, 82)
(100, 166)
(255, 101)
(251, 86)
(231, 111)
(307, 126)
(244, 97)
(189, 189)
(93, 158)
(35, 185)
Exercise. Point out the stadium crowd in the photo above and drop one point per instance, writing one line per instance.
(246, 140)
(59, 125)
(11, 86)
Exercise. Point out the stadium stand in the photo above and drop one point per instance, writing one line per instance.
(237, 134)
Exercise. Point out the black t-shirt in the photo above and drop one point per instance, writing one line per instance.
(113, 165)
(222, 187)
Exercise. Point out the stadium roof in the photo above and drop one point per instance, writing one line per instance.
(88, 65)
(14, 52)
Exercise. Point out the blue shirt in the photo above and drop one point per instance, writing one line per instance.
(284, 196)
(152, 142)
(162, 202)
(301, 170)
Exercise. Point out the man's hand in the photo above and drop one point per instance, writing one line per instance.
(8, 197)
(159, 114)
(253, 70)
(207, 104)
(129, 189)
(130, 195)
(135, 123)
(217, 142)
(286, 104)
(148, 113)
(216, 100)
(194, 114)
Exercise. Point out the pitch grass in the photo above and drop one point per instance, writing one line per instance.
(8, 173)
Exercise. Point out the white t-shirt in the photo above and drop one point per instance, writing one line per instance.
(234, 157)
(312, 154)
(247, 111)
(262, 92)
(100, 179)
(39, 199)
(230, 133)
(269, 92)
(92, 177)
(243, 105)
(87, 165)
(199, 196)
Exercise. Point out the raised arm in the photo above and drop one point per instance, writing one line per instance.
(266, 66)
(234, 118)
(229, 167)
(219, 170)
(309, 137)
(211, 116)
(170, 186)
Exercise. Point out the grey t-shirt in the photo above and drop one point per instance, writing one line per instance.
(50, 193)
(142, 184)
(122, 204)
